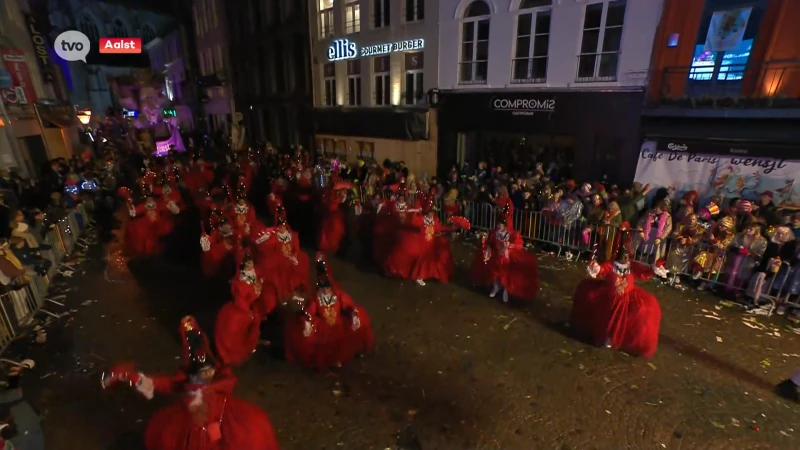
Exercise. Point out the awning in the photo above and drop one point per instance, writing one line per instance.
(771, 138)
(62, 116)
(407, 125)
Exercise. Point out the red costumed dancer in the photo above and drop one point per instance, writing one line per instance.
(275, 197)
(243, 218)
(420, 252)
(197, 176)
(612, 311)
(237, 329)
(219, 251)
(208, 416)
(279, 255)
(333, 225)
(148, 225)
(505, 265)
(332, 330)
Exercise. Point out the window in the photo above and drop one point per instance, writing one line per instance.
(325, 18)
(533, 41)
(414, 64)
(415, 10)
(600, 44)
(728, 65)
(383, 82)
(119, 30)
(474, 67)
(329, 70)
(148, 34)
(202, 61)
(354, 82)
(218, 60)
(381, 10)
(352, 17)
(196, 11)
(213, 6)
(280, 64)
(89, 28)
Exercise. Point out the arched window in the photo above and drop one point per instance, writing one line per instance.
(148, 34)
(119, 30)
(89, 28)
(532, 42)
(474, 64)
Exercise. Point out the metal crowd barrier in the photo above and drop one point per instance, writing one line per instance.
(18, 307)
(575, 238)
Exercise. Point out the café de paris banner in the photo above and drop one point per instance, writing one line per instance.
(725, 175)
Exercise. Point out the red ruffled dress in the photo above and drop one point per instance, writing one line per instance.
(332, 339)
(275, 197)
(237, 328)
(611, 308)
(220, 258)
(145, 230)
(333, 225)
(197, 177)
(418, 253)
(185, 424)
(383, 226)
(508, 264)
(286, 266)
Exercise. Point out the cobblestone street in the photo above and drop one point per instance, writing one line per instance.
(452, 369)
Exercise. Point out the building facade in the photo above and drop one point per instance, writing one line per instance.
(728, 95)
(269, 50)
(167, 60)
(211, 37)
(39, 123)
(546, 81)
(373, 63)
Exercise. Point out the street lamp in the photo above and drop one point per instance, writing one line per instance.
(85, 117)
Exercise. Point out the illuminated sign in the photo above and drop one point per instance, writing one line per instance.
(169, 113)
(341, 49)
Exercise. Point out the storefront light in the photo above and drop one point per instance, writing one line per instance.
(84, 117)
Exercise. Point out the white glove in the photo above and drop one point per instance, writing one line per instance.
(593, 269)
(356, 323)
(132, 211)
(660, 271)
(293, 260)
(145, 386)
(487, 255)
(262, 237)
(27, 364)
(173, 208)
(307, 329)
(247, 228)
(205, 243)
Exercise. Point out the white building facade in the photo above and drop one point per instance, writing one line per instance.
(373, 63)
(546, 77)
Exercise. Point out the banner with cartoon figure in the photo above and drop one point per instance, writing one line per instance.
(681, 171)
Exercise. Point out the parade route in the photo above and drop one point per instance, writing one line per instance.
(452, 369)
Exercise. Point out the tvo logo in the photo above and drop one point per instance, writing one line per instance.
(342, 49)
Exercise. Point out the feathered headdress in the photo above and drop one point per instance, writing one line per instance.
(504, 214)
(622, 240)
(197, 353)
(280, 215)
(323, 276)
(428, 205)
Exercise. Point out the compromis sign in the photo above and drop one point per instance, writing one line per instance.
(523, 106)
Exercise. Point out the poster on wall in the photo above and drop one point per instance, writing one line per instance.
(726, 29)
(22, 91)
(724, 175)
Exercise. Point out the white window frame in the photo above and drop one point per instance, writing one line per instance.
(532, 34)
(385, 80)
(352, 7)
(379, 9)
(204, 13)
(213, 7)
(358, 86)
(325, 18)
(219, 61)
(329, 85)
(408, 89)
(599, 53)
(474, 21)
(197, 28)
(417, 11)
(202, 57)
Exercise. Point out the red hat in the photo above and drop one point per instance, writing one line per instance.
(768, 194)
(197, 353)
(280, 215)
(745, 206)
(691, 198)
(429, 205)
(323, 275)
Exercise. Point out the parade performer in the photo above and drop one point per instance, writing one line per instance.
(243, 218)
(612, 311)
(275, 197)
(331, 330)
(171, 196)
(383, 225)
(420, 252)
(279, 255)
(219, 251)
(197, 176)
(505, 265)
(333, 225)
(146, 229)
(237, 328)
(208, 416)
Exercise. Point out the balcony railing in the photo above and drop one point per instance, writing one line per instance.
(771, 84)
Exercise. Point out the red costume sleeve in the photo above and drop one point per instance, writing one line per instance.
(295, 243)
(311, 307)
(441, 228)
(224, 381)
(169, 384)
(346, 302)
(515, 240)
(605, 269)
(641, 272)
(140, 209)
(243, 294)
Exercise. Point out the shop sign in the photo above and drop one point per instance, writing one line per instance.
(40, 47)
(520, 106)
(341, 49)
(22, 91)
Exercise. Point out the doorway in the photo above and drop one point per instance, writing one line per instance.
(34, 149)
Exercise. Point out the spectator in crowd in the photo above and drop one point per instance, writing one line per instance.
(20, 228)
(5, 217)
(766, 212)
(31, 259)
(12, 272)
